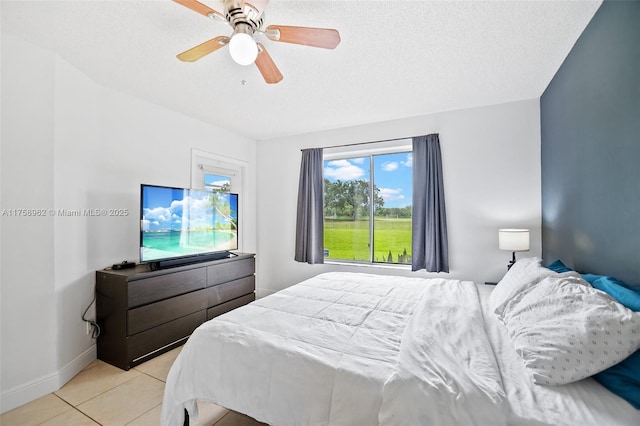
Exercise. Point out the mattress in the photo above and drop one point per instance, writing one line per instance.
(362, 349)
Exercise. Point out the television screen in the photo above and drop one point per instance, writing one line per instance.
(176, 222)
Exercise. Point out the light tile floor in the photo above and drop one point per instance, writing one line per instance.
(102, 394)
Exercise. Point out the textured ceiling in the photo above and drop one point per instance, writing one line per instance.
(397, 58)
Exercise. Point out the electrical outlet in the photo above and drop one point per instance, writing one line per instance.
(88, 328)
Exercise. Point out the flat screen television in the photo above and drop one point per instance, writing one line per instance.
(182, 226)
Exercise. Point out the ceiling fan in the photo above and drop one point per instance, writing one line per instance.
(246, 19)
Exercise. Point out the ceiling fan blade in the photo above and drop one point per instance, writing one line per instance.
(318, 37)
(201, 8)
(203, 49)
(267, 67)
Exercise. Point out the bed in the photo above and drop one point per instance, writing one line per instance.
(362, 349)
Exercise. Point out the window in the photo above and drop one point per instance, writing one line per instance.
(218, 173)
(217, 183)
(367, 206)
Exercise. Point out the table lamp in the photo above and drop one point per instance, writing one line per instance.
(513, 240)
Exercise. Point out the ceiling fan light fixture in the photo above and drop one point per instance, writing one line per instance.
(243, 48)
(246, 17)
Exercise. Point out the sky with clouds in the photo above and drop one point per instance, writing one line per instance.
(392, 175)
(175, 209)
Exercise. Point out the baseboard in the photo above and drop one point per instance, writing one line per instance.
(70, 370)
(42, 386)
(28, 392)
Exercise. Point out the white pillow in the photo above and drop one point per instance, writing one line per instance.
(522, 275)
(565, 330)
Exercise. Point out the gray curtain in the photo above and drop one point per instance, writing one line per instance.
(309, 224)
(430, 249)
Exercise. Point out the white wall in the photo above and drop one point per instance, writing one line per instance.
(28, 340)
(68, 143)
(491, 166)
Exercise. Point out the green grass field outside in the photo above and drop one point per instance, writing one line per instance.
(349, 240)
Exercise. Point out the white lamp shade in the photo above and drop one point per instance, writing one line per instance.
(513, 239)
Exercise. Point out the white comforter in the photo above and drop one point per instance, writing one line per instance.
(446, 372)
(345, 349)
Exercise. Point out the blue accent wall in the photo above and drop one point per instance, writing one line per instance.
(590, 128)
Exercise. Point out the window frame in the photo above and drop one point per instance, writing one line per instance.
(367, 150)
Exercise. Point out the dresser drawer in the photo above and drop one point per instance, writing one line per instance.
(230, 271)
(152, 289)
(224, 292)
(148, 341)
(228, 306)
(145, 317)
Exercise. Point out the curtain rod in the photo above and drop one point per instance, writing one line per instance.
(364, 143)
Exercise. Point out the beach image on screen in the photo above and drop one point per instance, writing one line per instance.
(183, 222)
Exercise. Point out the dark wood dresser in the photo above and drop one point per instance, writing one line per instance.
(144, 313)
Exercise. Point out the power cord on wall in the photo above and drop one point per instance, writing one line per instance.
(95, 328)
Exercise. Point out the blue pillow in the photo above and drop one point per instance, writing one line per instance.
(559, 267)
(590, 278)
(624, 293)
(623, 379)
